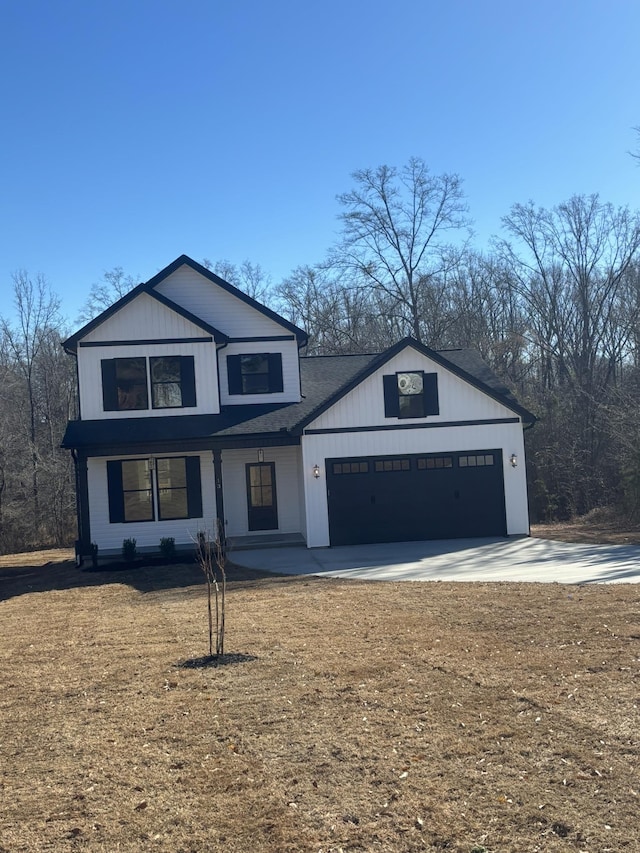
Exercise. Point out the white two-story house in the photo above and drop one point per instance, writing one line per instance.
(196, 407)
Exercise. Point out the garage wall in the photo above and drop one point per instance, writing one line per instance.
(317, 448)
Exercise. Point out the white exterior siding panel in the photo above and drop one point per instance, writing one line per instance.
(364, 405)
(90, 379)
(144, 318)
(217, 306)
(290, 372)
(316, 449)
(109, 537)
(289, 501)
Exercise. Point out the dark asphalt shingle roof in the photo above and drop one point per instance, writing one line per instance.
(323, 380)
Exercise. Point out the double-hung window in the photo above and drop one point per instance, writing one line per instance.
(124, 384)
(255, 373)
(410, 394)
(154, 489)
(129, 383)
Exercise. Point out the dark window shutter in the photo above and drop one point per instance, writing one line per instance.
(116, 495)
(275, 372)
(109, 387)
(391, 403)
(188, 380)
(194, 488)
(234, 371)
(430, 386)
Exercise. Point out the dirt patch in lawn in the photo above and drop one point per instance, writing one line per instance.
(599, 527)
(348, 716)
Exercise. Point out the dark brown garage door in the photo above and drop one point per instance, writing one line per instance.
(413, 497)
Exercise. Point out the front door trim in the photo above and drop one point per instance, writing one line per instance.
(262, 505)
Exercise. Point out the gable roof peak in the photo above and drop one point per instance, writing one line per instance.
(149, 287)
(185, 260)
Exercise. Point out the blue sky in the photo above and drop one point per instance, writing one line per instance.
(136, 131)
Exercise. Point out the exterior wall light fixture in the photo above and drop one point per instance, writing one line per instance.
(261, 455)
(514, 460)
(316, 471)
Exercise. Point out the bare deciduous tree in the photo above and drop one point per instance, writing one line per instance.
(37, 396)
(114, 285)
(399, 230)
(248, 277)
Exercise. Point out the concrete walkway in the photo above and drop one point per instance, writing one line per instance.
(518, 559)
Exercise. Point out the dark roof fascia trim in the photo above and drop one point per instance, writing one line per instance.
(191, 445)
(70, 345)
(258, 340)
(390, 353)
(386, 428)
(146, 342)
(300, 334)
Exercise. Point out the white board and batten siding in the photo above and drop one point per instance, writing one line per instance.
(217, 306)
(364, 407)
(109, 537)
(146, 319)
(290, 502)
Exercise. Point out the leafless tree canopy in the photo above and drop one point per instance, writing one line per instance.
(401, 235)
(37, 397)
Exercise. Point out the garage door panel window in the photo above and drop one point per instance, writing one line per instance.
(382, 465)
(431, 463)
(476, 460)
(350, 468)
(412, 394)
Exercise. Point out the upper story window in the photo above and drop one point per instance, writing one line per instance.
(126, 383)
(411, 394)
(166, 382)
(255, 373)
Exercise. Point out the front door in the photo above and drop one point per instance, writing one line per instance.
(261, 496)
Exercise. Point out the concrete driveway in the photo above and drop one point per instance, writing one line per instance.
(518, 559)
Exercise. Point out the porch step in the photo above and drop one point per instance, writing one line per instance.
(268, 540)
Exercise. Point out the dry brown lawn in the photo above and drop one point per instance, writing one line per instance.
(347, 716)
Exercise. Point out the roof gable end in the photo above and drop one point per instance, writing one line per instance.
(71, 343)
(439, 358)
(185, 260)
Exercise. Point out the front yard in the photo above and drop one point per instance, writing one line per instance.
(347, 716)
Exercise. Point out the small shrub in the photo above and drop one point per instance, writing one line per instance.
(168, 547)
(129, 549)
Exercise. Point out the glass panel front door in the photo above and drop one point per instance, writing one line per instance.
(261, 496)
